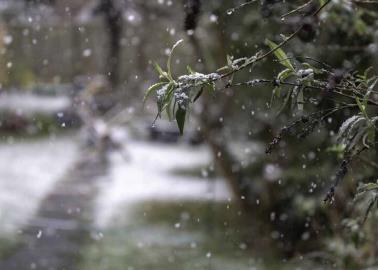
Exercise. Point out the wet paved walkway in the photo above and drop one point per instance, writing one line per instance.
(53, 238)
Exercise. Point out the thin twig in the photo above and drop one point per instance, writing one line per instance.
(265, 81)
(232, 10)
(297, 9)
(271, 51)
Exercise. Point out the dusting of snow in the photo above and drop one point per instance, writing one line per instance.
(197, 78)
(31, 103)
(182, 97)
(306, 73)
(28, 171)
(162, 91)
(147, 176)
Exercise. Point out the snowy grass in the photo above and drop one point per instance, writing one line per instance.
(148, 176)
(28, 171)
(173, 235)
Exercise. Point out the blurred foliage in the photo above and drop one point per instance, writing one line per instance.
(327, 86)
(312, 99)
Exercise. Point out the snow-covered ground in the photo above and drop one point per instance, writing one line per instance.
(147, 176)
(28, 171)
(24, 103)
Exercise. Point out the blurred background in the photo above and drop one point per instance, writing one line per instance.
(88, 180)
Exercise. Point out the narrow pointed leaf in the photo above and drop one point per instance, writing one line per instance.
(180, 118)
(280, 54)
(152, 89)
(169, 62)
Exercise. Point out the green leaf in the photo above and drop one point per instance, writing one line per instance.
(371, 133)
(369, 91)
(275, 93)
(152, 89)
(197, 96)
(170, 109)
(225, 69)
(360, 26)
(165, 101)
(229, 60)
(287, 98)
(280, 54)
(169, 93)
(362, 108)
(336, 148)
(300, 100)
(161, 72)
(294, 96)
(367, 187)
(169, 62)
(284, 74)
(189, 69)
(366, 72)
(168, 101)
(316, 70)
(180, 118)
(212, 87)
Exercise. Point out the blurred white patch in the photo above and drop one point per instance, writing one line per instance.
(272, 172)
(29, 103)
(28, 171)
(148, 177)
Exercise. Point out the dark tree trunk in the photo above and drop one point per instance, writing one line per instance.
(113, 25)
(210, 124)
